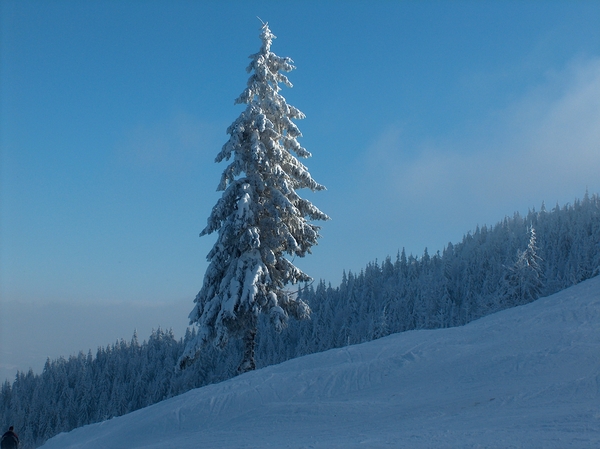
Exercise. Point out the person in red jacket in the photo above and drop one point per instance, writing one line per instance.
(10, 440)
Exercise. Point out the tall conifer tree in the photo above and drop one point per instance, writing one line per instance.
(260, 219)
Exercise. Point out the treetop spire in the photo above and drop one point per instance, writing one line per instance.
(266, 36)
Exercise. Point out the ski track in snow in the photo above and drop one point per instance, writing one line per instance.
(527, 377)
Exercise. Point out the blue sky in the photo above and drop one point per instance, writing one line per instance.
(425, 119)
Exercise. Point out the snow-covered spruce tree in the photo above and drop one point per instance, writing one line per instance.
(259, 218)
(523, 282)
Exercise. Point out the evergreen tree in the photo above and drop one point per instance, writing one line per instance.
(259, 218)
(523, 282)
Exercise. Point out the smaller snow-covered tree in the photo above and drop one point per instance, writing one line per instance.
(523, 282)
(259, 219)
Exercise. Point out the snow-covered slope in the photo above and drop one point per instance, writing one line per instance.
(525, 377)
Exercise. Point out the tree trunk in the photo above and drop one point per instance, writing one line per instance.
(248, 363)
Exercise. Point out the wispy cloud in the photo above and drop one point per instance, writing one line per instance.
(544, 146)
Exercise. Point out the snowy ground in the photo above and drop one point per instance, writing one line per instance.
(527, 377)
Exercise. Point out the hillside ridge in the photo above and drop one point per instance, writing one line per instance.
(523, 377)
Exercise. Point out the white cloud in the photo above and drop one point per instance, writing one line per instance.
(544, 146)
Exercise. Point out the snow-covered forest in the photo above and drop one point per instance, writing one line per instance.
(522, 378)
(492, 268)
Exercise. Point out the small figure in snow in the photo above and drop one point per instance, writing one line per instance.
(10, 440)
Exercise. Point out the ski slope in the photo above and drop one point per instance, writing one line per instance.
(527, 377)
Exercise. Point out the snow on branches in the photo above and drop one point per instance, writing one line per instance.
(260, 219)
